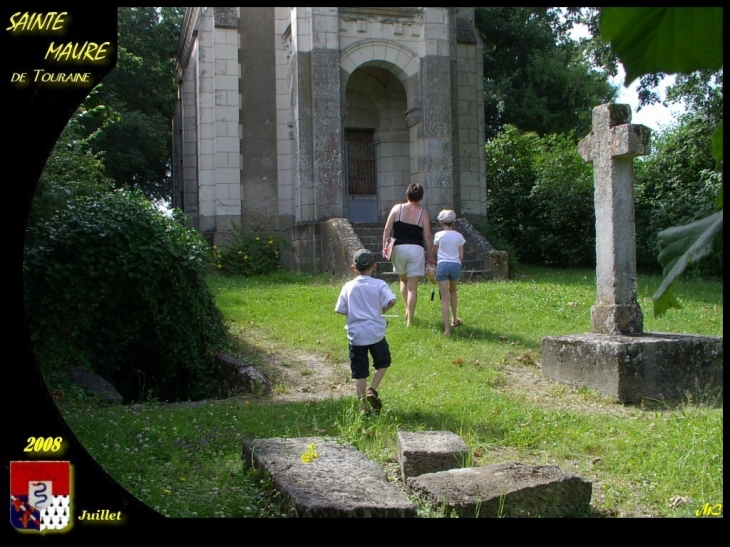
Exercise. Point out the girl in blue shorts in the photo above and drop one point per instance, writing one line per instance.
(448, 245)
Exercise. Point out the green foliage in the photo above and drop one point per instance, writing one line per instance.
(676, 185)
(136, 152)
(114, 285)
(72, 168)
(681, 40)
(249, 253)
(650, 40)
(534, 77)
(142, 89)
(540, 197)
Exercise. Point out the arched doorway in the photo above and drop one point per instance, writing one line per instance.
(377, 143)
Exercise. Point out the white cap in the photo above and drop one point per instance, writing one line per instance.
(447, 215)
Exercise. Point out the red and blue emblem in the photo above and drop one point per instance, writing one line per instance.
(40, 495)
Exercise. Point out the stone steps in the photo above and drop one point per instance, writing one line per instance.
(371, 237)
(327, 477)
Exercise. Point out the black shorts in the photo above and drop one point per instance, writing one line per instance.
(359, 364)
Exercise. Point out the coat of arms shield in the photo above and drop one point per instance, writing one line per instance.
(40, 495)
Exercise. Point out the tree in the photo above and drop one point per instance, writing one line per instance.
(142, 90)
(540, 197)
(72, 168)
(673, 40)
(675, 185)
(535, 78)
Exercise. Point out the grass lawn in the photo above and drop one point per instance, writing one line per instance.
(484, 383)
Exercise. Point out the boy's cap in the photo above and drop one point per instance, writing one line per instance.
(364, 258)
(447, 215)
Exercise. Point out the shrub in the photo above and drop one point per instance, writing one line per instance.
(540, 198)
(676, 185)
(563, 200)
(249, 254)
(114, 285)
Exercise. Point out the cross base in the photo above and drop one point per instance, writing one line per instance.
(630, 368)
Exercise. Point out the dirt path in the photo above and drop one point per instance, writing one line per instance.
(301, 376)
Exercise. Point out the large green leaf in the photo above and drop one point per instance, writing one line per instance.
(680, 246)
(671, 40)
(717, 144)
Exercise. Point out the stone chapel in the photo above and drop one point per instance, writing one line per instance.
(289, 117)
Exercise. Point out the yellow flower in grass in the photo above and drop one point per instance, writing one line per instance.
(220, 265)
(310, 454)
(271, 242)
(257, 238)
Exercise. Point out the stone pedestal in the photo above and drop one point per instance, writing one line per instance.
(630, 368)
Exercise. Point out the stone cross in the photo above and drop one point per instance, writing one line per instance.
(611, 147)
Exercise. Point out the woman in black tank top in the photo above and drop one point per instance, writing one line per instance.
(410, 225)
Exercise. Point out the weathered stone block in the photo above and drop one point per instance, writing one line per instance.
(234, 376)
(95, 385)
(429, 452)
(629, 368)
(322, 477)
(506, 490)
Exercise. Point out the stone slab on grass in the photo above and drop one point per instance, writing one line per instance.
(324, 477)
(429, 452)
(505, 490)
(629, 368)
(95, 385)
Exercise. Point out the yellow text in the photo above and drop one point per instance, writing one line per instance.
(20, 22)
(75, 51)
(707, 510)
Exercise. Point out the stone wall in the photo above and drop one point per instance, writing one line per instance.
(321, 247)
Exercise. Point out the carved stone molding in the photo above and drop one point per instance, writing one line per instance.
(411, 13)
(187, 36)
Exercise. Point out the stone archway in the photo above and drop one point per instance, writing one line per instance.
(375, 102)
(378, 82)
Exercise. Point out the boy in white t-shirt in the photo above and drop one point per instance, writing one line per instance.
(364, 300)
(448, 245)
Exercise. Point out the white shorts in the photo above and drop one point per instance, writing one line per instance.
(409, 260)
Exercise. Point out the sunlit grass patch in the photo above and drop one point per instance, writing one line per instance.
(483, 383)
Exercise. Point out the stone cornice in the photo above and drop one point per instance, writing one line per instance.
(187, 35)
(380, 12)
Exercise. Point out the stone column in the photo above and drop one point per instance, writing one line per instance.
(435, 150)
(611, 147)
(318, 114)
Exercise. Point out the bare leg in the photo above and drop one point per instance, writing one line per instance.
(445, 295)
(404, 294)
(377, 377)
(452, 297)
(361, 385)
(412, 290)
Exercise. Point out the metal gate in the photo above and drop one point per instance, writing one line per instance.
(361, 175)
